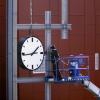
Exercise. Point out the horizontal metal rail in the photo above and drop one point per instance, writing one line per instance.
(30, 80)
(43, 26)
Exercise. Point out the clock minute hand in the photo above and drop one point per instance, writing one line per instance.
(34, 51)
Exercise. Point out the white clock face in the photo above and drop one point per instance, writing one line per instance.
(32, 53)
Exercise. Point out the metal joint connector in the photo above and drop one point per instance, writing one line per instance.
(47, 26)
(64, 26)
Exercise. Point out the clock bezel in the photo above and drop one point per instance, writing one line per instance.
(19, 58)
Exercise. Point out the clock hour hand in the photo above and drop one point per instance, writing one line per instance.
(25, 54)
(34, 52)
(28, 53)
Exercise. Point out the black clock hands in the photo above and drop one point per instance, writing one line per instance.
(25, 54)
(34, 52)
(28, 54)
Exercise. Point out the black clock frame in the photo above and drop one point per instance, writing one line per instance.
(19, 47)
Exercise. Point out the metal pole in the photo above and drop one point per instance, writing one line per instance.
(64, 19)
(36, 79)
(47, 44)
(12, 50)
(42, 26)
(48, 29)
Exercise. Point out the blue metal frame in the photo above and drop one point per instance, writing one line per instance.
(79, 65)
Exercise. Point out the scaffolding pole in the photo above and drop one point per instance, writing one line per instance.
(43, 26)
(64, 19)
(9, 51)
(12, 50)
(47, 45)
(12, 78)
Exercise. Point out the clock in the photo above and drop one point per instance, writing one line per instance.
(30, 53)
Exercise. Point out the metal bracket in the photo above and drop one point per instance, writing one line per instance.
(13, 79)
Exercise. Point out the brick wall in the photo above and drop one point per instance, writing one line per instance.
(84, 15)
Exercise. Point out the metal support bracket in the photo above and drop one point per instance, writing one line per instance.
(44, 26)
(47, 45)
(13, 80)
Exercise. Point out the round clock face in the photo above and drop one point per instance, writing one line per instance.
(32, 53)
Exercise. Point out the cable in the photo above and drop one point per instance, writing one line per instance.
(31, 15)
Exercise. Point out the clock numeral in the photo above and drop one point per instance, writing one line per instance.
(37, 41)
(32, 39)
(37, 65)
(24, 60)
(41, 52)
(27, 40)
(23, 53)
(32, 67)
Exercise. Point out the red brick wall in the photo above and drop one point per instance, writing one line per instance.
(84, 38)
(2, 50)
(84, 15)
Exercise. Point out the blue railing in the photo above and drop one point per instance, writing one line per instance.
(71, 68)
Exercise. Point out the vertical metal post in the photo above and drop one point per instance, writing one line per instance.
(12, 50)
(96, 61)
(47, 44)
(47, 30)
(64, 19)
